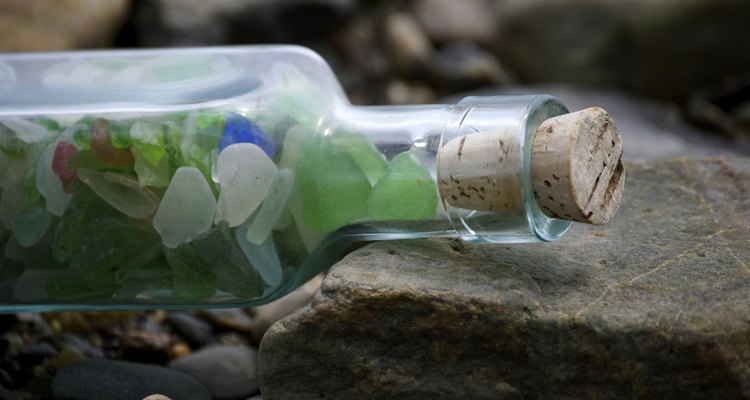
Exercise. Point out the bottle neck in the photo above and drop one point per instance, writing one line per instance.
(436, 135)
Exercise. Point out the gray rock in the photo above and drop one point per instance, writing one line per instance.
(646, 45)
(118, 380)
(228, 372)
(447, 20)
(653, 305)
(462, 65)
(409, 46)
(35, 25)
(196, 331)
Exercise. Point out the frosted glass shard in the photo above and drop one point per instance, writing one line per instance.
(272, 207)
(120, 191)
(187, 208)
(49, 184)
(29, 227)
(14, 200)
(293, 142)
(27, 131)
(263, 257)
(245, 175)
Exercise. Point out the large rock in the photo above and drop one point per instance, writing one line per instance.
(37, 25)
(659, 47)
(654, 305)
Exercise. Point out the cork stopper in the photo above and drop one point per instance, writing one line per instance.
(576, 168)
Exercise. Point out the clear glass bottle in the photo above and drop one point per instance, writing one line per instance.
(224, 176)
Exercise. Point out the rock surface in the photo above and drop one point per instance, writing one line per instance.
(653, 305)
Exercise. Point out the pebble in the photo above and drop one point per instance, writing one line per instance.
(147, 346)
(187, 208)
(245, 175)
(196, 331)
(35, 353)
(156, 397)
(446, 20)
(410, 47)
(407, 192)
(119, 380)
(228, 372)
(229, 318)
(77, 343)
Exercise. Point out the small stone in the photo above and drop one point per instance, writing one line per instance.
(187, 208)
(228, 372)
(156, 397)
(35, 353)
(118, 380)
(407, 192)
(228, 318)
(144, 345)
(263, 257)
(196, 331)
(410, 46)
(120, 191)
(101, 146)
(239, 129)
(333, 188)
(273, 206)
(245, 175)
(67, 356)
(446, 20)
(29, 226)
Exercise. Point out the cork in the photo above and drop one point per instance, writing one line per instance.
(576, 168)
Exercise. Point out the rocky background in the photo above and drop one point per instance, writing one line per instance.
(653, 306)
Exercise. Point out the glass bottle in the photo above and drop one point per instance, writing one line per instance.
(226, 176)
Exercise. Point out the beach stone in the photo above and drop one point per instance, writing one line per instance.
(652, 305)
(446, 20)
(196, 331)
(34, 26)
(228, 372)
(119, 380)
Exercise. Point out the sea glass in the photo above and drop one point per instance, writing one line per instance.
(210, 177)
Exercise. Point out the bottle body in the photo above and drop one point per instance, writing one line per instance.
(224, 176)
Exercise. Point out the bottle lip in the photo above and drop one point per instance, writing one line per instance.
(521, 116)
